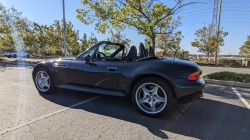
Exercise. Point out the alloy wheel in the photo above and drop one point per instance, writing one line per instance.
(151, 98)
(42, 81)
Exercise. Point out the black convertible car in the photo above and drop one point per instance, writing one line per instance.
(154, 84)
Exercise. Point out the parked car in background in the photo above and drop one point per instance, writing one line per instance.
(16, 54)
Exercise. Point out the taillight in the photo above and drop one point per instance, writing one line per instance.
(194, 76)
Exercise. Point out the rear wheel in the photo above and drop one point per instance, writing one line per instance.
(28, 56)
(9, 56)
(44, 81)
(14, 56)
(152, 96)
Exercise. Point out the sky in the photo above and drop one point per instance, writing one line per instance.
(235, 19)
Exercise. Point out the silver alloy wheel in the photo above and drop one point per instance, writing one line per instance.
(42, 81)
(151, 98)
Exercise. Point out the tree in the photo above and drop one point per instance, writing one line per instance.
(208, 39)
(147, 42)
(13, 28)
(245, 49)
(169, 42)
(84, 42)
(72, 38)
(148, 17)
(121, 39)
(40, 38)
(92, 40)
(176, 40)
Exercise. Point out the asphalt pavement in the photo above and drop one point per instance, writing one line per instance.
(26, 114)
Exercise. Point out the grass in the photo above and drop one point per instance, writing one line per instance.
(3, 60)
(229, 76)
(24, 61)
(19, 61)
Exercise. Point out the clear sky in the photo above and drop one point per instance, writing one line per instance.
(235, 19)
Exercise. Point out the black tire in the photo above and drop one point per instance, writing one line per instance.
(14, 56)
(52, 88)
(171, 100)
(28, 56)
(9, 56)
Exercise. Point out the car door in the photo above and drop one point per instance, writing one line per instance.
(102, 75)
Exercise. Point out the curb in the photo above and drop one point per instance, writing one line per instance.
(23, 64)
(247, 67)
(227, 83)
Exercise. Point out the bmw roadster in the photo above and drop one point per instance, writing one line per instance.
(154, 84)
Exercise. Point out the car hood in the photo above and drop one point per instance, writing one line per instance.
(62, 59)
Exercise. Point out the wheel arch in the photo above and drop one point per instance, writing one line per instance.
(39, 66)
(140, 77)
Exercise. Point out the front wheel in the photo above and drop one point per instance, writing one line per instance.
(44, 81)
(152, 96)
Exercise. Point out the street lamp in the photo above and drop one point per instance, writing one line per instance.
(64, 26)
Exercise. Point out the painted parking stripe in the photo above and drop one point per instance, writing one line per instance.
(45, 116)
(241, 98)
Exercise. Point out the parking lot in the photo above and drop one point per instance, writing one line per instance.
(26, 114)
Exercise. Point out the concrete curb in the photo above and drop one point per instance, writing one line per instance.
(227, 83)
(23, 64)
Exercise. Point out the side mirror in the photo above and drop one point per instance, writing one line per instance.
(87, 59)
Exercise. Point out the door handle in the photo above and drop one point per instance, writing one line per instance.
(112, 68)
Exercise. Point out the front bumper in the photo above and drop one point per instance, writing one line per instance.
(184, 87)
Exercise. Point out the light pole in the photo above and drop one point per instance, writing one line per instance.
(64, 26)
(218, 28)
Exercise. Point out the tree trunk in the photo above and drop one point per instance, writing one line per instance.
(208, 57)
(153, 42)
(216, 53)
(43, 54)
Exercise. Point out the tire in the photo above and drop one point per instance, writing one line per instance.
(163, 98)
(9, 56)
(14, 56)
(28, 56)
(42, 85)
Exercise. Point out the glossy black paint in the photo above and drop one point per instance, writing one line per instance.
(119, 77)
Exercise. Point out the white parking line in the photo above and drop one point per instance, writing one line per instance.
(45, 116)
(241, 98)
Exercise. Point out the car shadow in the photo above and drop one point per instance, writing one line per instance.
(202, 119)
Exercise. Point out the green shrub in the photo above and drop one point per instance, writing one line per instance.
(229, 76)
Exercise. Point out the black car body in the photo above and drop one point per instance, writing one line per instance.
(118, 74)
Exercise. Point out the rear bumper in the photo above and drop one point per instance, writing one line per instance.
(184, 87)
